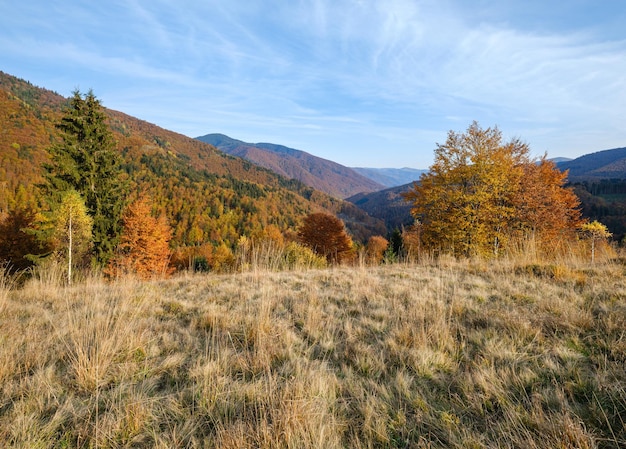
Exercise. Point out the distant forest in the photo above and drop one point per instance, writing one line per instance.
(605, 201)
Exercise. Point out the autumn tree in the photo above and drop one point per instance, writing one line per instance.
(71, 229)
(144, 243)
(595, 232)
(546, 211)
(375, 248)
(326, 235)
(16, 240)
(482, 191)
(85, 160)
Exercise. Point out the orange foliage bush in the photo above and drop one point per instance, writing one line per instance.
(15, 242)
(144, 244)
(375, 248)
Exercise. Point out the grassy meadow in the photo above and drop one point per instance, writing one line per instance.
(443, 354)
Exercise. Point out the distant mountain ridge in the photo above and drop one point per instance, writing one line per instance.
(558, 160)
(607, 164)
(391, 177)
(321, 174)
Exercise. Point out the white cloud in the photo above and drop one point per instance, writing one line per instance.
(314, 69)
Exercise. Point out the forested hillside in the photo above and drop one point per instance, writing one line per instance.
(388, 205)
(607, 164)
(605, 200)
(209, 198)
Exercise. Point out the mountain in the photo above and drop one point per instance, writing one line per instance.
(391, 177)
(208, 196)
(387, 205)
(607, 164)
(558, 160)
(321, 174)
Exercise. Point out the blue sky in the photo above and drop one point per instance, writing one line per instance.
(364, 83)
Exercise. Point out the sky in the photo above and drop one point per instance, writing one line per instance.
(363, 83)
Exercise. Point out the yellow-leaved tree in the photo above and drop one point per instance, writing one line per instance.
(71, 229)
(482, 192)
(595, 232)
(144, 243)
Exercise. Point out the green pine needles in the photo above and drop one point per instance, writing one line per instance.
(85, 160)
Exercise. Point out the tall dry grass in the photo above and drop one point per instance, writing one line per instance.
(442, 354)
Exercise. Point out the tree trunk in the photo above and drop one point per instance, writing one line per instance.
(69, 253)
(593, 250)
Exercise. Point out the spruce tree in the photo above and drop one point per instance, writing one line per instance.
(85, 160)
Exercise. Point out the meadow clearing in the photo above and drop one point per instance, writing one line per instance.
(466, 354)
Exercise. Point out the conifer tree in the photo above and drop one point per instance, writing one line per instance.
(85, 160)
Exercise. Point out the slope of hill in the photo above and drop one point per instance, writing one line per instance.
(391, 177)
(387, 205)
(316, 172)
(208, 196)
(607, 164)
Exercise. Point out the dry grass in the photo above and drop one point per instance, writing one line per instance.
(447, 354)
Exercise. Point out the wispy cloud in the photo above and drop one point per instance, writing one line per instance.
(322, 73)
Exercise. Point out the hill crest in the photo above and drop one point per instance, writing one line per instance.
(606, 164)
(321, 174)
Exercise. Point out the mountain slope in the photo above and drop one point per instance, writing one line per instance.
(558, 160)
(319, 173)
(607, 164)
(387, 205)
(209, 197)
